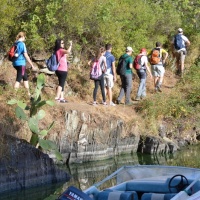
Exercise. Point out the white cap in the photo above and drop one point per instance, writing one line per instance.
(180, 30)
(129, 49)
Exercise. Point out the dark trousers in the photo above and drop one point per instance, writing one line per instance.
(96, 86)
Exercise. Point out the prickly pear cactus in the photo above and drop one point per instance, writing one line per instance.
(33, 114)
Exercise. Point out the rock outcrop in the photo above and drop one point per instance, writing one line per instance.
(23, 166)
(89, 136)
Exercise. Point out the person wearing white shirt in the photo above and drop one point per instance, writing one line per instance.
(142, 74)
(180, 50)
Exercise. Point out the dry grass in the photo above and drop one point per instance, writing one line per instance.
(79, 94)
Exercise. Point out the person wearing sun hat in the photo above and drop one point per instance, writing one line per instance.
(126, 80)
(142, 74)
(179, 45)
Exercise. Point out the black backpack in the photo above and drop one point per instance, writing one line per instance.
(121, 67)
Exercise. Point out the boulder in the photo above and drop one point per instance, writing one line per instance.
(23, 166)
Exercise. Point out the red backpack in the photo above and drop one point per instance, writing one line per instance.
(137, 62)
(12, 53)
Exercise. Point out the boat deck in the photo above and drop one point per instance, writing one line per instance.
(150, 185)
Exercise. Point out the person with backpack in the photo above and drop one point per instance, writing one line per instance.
(98, 67)
(124, 69)
(141, 66)
(179, 44)
(62, 70)
(157, 59)
(110, 74)
(19, 61)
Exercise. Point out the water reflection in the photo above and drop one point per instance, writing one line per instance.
(85, 175)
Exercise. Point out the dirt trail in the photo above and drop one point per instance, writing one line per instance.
(125, 112)
(7, 77)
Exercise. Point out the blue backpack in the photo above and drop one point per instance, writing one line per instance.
(52, 63)
(178, 42)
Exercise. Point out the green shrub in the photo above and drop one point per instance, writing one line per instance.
(182, 102)
(32, 113)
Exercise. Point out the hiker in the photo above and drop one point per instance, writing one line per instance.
(100, 61)
(126, 79)
(110, 74)
(180, 43)
(142, 73)
(20, 62)
(62, 71)
(157, 59)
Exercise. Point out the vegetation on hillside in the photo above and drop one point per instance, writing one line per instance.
(180, 108)
(93, 23)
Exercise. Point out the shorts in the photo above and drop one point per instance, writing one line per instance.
(180, 55)
(108, 80)
(21, 73)
(62, 75)
(157, 70)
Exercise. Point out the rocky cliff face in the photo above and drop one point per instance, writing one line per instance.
(90, 136)
(23, 166)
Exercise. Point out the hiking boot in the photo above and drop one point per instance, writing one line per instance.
(159, 88)
(57, 99)
(112, 104)
(137, 98)
(104, 103)
(63, 101)
(118, 102)
(94, 103)
(129, 103)
(177, 72)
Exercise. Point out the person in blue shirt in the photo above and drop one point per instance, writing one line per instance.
(110, 74)
(19, 63)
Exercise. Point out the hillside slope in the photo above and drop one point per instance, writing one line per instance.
(76, 101)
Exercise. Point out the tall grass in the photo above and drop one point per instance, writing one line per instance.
(182, 104)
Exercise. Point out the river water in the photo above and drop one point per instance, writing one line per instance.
(85, 175)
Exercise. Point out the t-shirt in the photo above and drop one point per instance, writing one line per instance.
(62, 58)
(21, 49)
(102, 61)
(143, 61)
(109, 60)
(128, 60)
